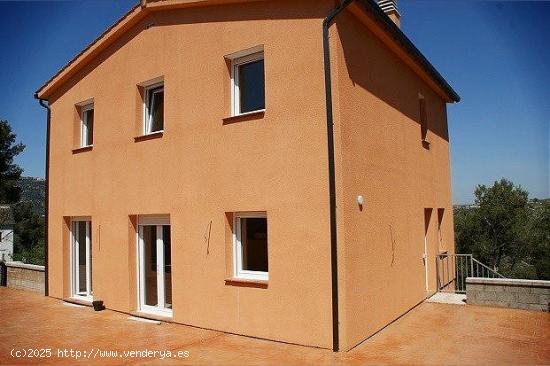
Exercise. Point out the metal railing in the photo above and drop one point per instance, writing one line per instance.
(453, 269)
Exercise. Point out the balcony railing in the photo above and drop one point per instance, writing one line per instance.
(453, 269)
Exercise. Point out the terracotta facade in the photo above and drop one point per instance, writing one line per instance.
(204, 167)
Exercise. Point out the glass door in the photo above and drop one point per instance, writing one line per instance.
(81, 259)
(155, 267)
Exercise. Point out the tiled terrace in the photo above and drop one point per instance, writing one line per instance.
(432, 334)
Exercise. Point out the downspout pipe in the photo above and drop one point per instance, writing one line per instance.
(331, 173)
(44, 103)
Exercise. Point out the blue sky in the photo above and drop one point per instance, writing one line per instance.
(495, 54)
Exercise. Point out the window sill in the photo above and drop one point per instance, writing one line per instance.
(151, 316)
(82, 149)
(244, 117)
(149, 136)
(246, 282)
(78, 301)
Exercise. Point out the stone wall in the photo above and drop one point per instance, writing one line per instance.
(25, 276)
(509, 293)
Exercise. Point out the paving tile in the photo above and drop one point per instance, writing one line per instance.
(431, 334)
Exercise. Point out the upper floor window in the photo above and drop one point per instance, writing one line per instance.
(248, 83)
(154, 108)
(87, 125)
(423, 118)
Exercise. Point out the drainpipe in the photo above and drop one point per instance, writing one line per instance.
(47, 198)
(331, 173)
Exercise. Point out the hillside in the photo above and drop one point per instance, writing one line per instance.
(33, 190)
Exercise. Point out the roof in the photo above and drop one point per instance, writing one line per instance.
(6, 215)
(400, 37)
(145, 6)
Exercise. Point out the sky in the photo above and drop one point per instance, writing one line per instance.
(495, 54)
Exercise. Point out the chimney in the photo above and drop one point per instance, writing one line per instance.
(390, 8)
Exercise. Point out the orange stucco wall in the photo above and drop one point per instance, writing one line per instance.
(381, 157)
(203, 168)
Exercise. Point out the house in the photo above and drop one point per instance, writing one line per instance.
(276, 169)
(7, 224)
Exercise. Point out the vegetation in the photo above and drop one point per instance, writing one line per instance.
(506, 230)
(9, 171)
(27, 209)
(28, 234)
(33, 190)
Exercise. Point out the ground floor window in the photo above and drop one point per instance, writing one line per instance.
(81, 258)
(250, 245)
(155, 264)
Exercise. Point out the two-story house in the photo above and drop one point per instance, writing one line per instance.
(276, 169)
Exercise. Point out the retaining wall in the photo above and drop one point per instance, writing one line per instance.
(25, 276)
(509, 293)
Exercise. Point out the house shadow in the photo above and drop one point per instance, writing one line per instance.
(371, 65)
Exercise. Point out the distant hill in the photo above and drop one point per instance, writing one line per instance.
(33, 190)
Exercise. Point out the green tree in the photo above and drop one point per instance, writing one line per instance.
(9, 171)
(29, 226)
(503, 217)
(29, 234)
(506, 231)
(540, 239)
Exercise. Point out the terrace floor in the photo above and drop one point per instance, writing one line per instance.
(432, 334)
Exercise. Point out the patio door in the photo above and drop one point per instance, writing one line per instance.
(81, 259)
(155, 265)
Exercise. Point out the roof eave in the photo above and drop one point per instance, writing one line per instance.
(405, 43)
(142, 8)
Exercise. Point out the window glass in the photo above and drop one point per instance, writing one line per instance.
(81, 256)
(156, 109)
(251, 83)
(254, 244)
(150, 274)
(167, 266)
(91, 261)
(89, 120)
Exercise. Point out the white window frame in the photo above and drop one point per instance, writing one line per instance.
(147, 90)
(75, 260)
(238, 271)
(157, 221)
(84, 127)
(236, 62)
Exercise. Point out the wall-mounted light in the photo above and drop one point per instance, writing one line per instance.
(360, 201)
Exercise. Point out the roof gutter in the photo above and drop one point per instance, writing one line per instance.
(331, 173)
(47, 198)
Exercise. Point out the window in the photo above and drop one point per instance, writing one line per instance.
(248, 83)
(155, 264)
(81, 258)
(87, 125)
(250, 245)
(423, 118)
(154, 109)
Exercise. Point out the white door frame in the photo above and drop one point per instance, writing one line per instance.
(75, 260)
(427, 229)
(160, 308)
(426, 258)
